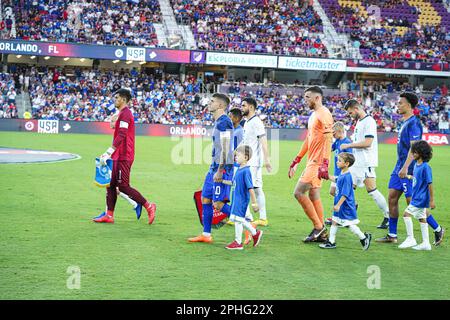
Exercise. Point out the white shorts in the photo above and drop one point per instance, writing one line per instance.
(359, 174)
(418, 213)
(256, 177)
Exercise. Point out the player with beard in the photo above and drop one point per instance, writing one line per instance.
(318, 146)
(365, 150)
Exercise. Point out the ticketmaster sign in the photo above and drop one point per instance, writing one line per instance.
(312, 64)
(241, 60)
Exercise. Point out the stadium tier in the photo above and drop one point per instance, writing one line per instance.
(385, 30)
(97, 21)
(87, 95)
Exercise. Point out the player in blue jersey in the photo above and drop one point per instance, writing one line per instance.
(344, 214)
(216, 193)
(410, 132)
(339, 139)
(422, 196)
(242, 194)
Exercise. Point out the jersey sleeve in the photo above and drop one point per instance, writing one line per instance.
(248, 179)
(122, 124)
(327, 122)
(428, 175)
(415, 131)
(371, 129)
(347, 186)
(260, 130)
(333, 146)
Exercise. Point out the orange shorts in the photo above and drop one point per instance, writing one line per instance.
(311, 175)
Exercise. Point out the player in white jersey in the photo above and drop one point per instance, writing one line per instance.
(365, 150)
(255, 137)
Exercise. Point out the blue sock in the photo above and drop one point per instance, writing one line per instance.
(433, 223)
(393, 226)
(207, 217)
(226, 209)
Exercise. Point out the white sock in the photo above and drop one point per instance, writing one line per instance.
(249, 227)
(380, 200)
(126, 197)
(261, 200)
(248, 214)
(409, 227)
(333, 231)
(356, 230)
(424, 229)
(238, 228)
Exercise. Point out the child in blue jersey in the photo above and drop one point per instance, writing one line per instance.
(344, 205)
(243, 193)
(422, 196)
(339, 139)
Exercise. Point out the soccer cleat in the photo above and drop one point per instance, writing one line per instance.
(257, 238)
(201, 238)
(234, 246)
(366, 241)
(230, 223)
(100, 215)
(327, 245)
(104, 218)
(384, 224)
(314, 235)
(387, 239)
(323, 237)
(138, 210)
(438, 237)
(261, 222)
(423, 246)
(408, 243)
(151, 213)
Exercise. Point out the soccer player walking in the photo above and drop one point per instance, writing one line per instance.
(122, 154)
(365, 150)
(215, 193)
(318, 147)
(255, 137)
(410, 132)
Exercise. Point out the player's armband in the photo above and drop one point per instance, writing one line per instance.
(123, 124)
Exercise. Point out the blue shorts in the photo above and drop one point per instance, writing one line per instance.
(404, 185)
(217, 191)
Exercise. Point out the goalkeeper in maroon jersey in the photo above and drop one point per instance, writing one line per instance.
(122, 154)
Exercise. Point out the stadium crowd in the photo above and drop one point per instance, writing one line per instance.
(117, 22)
(88, 96)
(394, 36)
(8, 95)
(263, 26)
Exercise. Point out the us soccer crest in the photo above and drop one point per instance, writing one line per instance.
(103, 173)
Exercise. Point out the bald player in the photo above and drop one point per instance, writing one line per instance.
(318, 147)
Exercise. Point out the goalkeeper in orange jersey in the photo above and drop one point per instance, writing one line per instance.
(318, 147)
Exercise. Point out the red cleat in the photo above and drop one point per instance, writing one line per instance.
(151, 210)
(234, 246)
(257, 238)
(104, 219)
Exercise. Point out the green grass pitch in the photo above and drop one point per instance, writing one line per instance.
(46, 227)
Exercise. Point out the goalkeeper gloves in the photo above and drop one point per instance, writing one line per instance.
(323, 170)
(106, 156)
